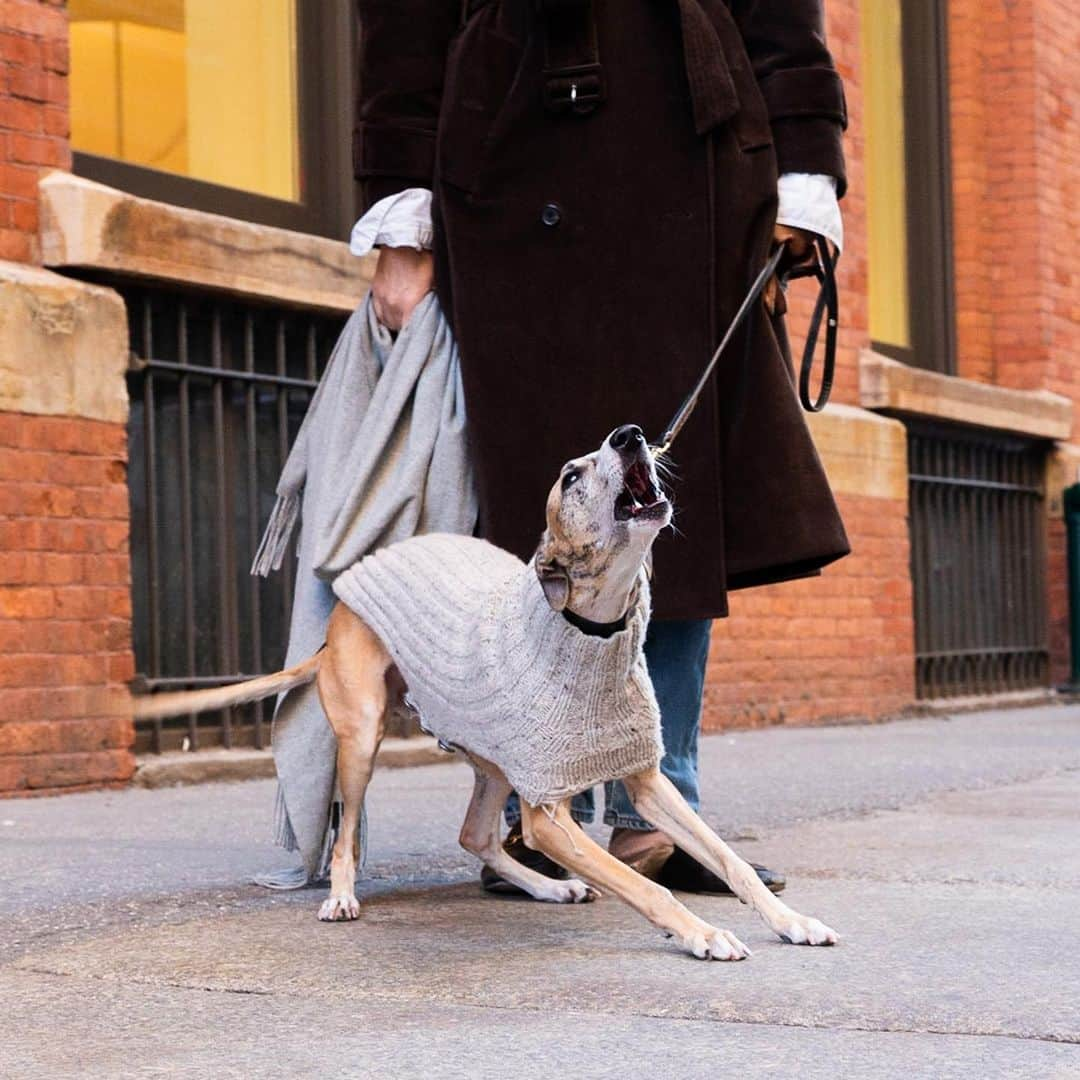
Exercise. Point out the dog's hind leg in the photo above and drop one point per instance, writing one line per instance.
(659, 802)
(352, 688)
(480, 836)
(559, 837)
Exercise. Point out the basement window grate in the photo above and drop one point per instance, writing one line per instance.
(218, 390)
(978, 561)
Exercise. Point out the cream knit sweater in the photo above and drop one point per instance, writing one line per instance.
(492, 669)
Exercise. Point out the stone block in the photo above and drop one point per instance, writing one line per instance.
(863, 453)
(63, 346)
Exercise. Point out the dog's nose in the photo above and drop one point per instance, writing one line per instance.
(626, 439)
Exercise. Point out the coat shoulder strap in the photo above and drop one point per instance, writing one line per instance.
(573, 77)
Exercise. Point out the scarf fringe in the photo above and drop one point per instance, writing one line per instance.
(284, 836)
(275, 540)
(296, 877)
(330, 838)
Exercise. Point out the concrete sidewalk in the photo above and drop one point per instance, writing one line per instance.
(945, 851)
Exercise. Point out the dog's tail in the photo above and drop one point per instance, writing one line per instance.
(156, 706)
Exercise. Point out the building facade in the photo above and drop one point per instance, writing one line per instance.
(175, 187)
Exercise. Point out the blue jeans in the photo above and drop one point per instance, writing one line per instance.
(676, 651)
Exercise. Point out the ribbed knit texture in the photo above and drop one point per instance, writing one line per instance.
(492, 669)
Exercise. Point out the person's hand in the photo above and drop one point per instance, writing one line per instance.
(800, 244)
(403, 277)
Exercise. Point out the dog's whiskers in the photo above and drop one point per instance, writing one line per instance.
(663, 464)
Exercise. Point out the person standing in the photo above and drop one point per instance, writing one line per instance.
(590, 186)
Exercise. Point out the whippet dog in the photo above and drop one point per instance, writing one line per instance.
(603, 513)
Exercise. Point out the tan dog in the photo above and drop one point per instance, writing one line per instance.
(603, 514)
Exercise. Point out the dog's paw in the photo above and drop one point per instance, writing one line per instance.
(712, 944)
(340, 909)
(577, 892)
(570, 891)
(802, 930)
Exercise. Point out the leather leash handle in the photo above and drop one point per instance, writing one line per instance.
(827, 303)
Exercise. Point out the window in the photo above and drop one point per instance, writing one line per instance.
(886, 184)
(240, 108)
(904, 53)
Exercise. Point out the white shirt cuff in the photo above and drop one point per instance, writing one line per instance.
(401, 220)
(808, 201)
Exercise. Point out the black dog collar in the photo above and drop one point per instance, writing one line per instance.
(594, 629)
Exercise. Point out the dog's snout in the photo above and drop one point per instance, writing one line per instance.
(627, 439)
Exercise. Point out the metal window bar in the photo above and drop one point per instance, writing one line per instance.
(978, 561)
(218, 389)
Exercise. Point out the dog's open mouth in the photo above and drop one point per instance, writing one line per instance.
(640, 497)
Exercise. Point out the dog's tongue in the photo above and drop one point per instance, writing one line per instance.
(639, 484)
(638, 495)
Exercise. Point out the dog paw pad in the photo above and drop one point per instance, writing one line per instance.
(717, 945)
(339, 909)
(807, 931)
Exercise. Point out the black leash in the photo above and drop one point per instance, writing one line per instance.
(824, 269)
(826, 306)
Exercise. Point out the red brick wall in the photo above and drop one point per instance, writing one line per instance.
(1057, 156)
(830, 648)
(33, 115)
(1016, 158)
(1057, 150)
(65, 604)
(991, 105)
(1015, 86)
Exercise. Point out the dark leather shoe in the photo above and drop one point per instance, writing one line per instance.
(514, 845)
(643, 851)
(685, 874)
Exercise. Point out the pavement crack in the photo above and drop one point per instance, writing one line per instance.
(135, 980)
(679, 1016)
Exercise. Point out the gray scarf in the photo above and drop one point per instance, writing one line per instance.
(381, 456)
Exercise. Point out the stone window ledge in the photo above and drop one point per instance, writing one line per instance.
(889, 386)
(87, 225)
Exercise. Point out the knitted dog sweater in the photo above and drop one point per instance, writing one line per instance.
(493, 669)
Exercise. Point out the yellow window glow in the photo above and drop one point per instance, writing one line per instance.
(886, 185)
(201, 88)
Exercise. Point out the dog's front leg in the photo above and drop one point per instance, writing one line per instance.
(659, 802)
(559, 837)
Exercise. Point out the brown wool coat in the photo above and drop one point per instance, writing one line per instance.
(589, 261)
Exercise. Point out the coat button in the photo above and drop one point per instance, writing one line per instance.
(551, 215)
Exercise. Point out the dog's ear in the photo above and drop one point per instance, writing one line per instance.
(554, 579)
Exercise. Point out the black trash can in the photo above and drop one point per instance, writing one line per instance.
(1072, 541)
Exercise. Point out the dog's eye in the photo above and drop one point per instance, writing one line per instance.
(570, 478)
